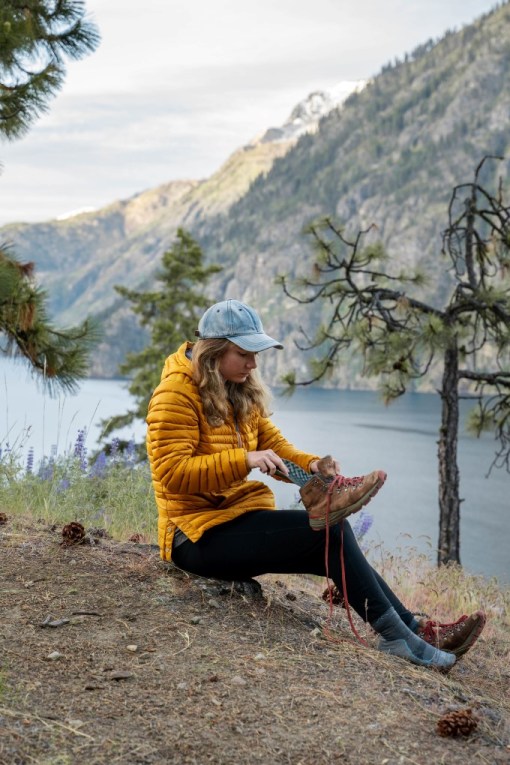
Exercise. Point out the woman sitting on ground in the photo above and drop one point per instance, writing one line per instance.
(208, 428)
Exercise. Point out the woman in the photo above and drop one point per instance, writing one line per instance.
(208, 428)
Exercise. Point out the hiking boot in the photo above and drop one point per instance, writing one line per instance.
(456, 637)
(330, 499)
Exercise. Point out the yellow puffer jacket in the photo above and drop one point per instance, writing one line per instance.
(199, 473)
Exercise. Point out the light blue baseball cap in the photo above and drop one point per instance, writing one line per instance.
(238, 323)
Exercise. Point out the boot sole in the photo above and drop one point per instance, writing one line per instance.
(318, 524)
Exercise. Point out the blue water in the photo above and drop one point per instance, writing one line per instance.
(354, 426)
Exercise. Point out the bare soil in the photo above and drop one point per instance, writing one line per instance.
(108, 655)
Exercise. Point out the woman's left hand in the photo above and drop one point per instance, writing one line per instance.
(314, 466)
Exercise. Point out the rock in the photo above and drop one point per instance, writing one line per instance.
(54, 656)
(119, 675)
(50, 622)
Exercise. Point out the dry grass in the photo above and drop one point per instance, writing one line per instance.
(221, 675)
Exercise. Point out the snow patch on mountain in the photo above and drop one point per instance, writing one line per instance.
(305, 117)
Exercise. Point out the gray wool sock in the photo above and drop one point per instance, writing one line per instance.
(397, 639)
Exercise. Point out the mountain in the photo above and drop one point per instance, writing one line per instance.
(79, 258)
(389, 156)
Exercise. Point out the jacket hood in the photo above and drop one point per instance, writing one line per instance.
(178, 362)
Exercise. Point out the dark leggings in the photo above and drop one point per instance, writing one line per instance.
(282, 542)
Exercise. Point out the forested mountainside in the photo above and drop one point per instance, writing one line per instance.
(389, 156)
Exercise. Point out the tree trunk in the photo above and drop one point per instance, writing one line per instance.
(449, 501)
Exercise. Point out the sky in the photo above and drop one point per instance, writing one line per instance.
(177, 85)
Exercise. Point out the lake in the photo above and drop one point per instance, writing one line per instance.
(354, 426)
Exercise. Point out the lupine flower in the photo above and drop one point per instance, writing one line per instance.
(98, 469)
(130, 453)
(362, 525)
(80, 451)
(63, 485)
(46, 469)
(114, 448)
(30, 461)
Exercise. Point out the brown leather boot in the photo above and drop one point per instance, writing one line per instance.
(456, 637)
(330, 498)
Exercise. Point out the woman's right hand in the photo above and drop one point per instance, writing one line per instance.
(267, 462)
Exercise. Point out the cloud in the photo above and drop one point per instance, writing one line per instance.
(175, 87)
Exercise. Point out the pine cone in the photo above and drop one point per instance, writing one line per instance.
(73, 533)
(462, 722)
(336, 596)
(3, 519)
(136, 538)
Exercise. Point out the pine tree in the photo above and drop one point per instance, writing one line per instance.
(58, 356)
(373, 312)
(171, 315)
(35, 38)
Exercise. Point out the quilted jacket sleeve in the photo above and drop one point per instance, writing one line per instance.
(175, 438)
(270, 437)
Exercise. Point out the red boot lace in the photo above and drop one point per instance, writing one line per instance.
(432, 629)
(341, 480)
(338, 480)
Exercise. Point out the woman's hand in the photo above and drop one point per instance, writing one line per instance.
(331, 466)
(267, 462)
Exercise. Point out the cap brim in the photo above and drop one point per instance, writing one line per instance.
(255, 342)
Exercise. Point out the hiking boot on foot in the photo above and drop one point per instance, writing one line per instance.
(329, 499)
(456, 637)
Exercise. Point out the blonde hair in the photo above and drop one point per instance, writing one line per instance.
(218, 394)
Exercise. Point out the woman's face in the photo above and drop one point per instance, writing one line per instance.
(236, 364)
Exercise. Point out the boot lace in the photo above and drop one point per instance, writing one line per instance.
(432, 629)
(340, 480)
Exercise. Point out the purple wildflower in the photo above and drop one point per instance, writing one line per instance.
(114, 447)
(130, 453)
(63, 484)
(80, 451)
(30, 461)
(98, 469)
(46, 469)
(362, 525)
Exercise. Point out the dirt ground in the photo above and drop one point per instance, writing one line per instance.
(110, 656)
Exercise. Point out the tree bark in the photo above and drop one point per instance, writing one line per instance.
(449, 501)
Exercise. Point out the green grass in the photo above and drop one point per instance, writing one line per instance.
(111, 492)
(3, 686)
